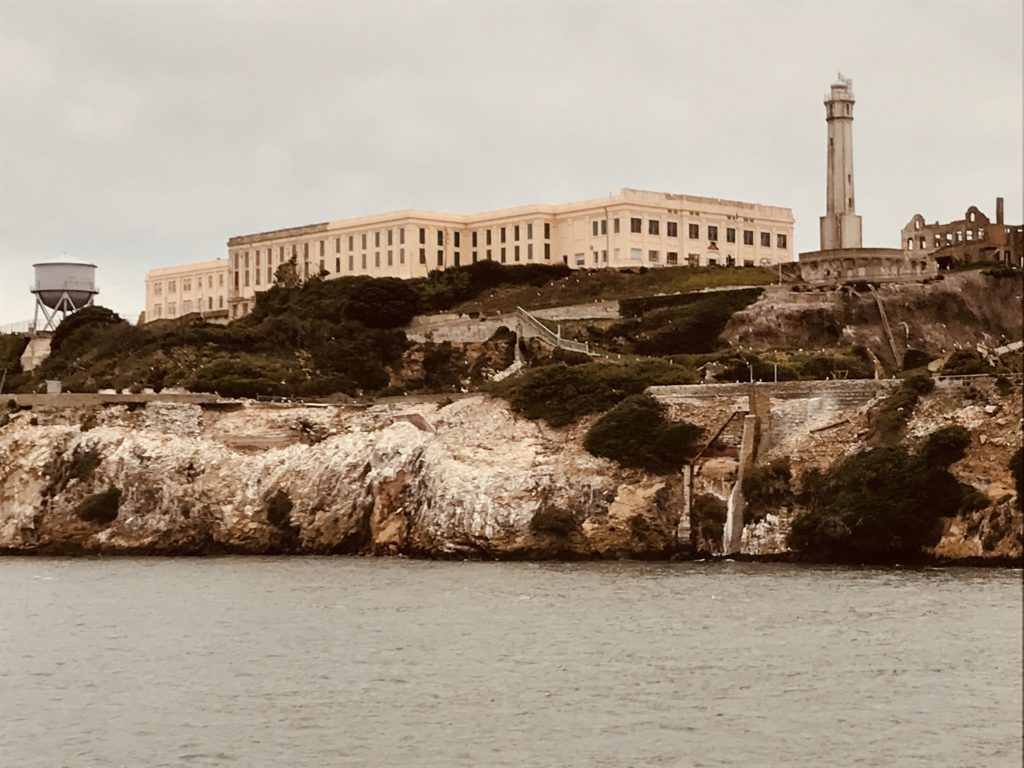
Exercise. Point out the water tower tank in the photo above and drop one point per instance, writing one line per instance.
(63, 286)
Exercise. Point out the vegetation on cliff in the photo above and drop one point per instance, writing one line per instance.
(882, 505)
(636, 433)
(561, 394)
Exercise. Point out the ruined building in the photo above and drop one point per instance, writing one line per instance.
(970, 240)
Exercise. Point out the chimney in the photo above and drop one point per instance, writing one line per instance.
(999, 210)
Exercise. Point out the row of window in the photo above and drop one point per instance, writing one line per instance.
(600, 227)
(654, 257)
(242, 259)
(949, 238)
(186, 307)
(186, 284)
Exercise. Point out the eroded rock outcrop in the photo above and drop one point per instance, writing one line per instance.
(467, 479)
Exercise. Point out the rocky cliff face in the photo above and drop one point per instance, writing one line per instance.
(466, 479)
(959, 311)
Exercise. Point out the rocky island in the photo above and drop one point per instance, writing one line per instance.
(722, 423)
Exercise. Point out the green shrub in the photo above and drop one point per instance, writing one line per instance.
(279, 509)
(12, 346)
(561, 394)
(945, 446)
(707, 519)
(444, 366)
(635, 433)
(443, 289)
(766, 488)
(552, 521)
(916, 358)
(882, 505)
(100, 508)
(691, 328)
(385, 302)
(893, 413)
(965, 362)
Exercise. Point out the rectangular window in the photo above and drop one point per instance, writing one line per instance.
(305, 250)
(516, 253)
(337, 245)
(529, 231)
(581, 260)
(440, 237)
(488, 237)
(672, 258)
(362, 240)
(604, 226)
(594, 228)
(547, 251)
(615, 255)
(503, 254)
(615, 226)
(351, 262)
(256, 273)
(220, 302)
(391, 234)
(423, 236)
(547, 231)
(515, 232)
(529, 251)
(766, 239)
(781, 241)
(172, 286)
(635, 254)
(748, 237)
(636, 226)
(423, 255)
(158, 289)
(748, 262)
(376, 259)
(652, 226)
(503, 234)
(652, 256)
(401, 255)
(672, 228)
(246, 279)
(489, 255)
(694, 231)
(351, 242)
(401, 236)
(321, 252)
(730, 235)
(712, 233)
(456, 239)
(376, 239)
(362, 261)
(472, 238)
(440, 258)
(337, 264)
(157, 310)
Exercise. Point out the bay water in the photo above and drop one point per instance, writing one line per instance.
(391, 662)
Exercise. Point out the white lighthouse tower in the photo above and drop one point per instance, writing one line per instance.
(840, 226)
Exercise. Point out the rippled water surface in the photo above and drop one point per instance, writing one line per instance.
(323, 662)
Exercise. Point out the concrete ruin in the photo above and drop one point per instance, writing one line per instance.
(973, 239)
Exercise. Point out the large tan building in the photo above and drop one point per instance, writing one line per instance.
(200, 287)
(634, 228)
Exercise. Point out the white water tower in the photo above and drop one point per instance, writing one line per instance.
(62, 287)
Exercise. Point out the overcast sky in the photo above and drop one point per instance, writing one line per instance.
(143, 133)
